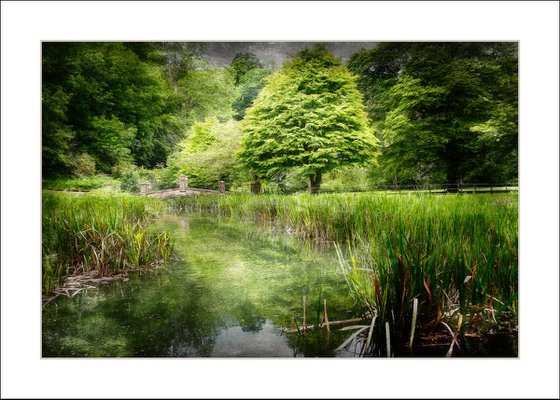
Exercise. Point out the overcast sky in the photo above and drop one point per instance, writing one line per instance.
(275, 53)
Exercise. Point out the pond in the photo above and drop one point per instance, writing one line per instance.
(229, 291)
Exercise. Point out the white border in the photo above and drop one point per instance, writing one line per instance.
(24, 25)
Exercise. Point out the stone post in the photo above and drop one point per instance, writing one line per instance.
(149, 187)
(221, 187)
(183, 182)
(143, 187)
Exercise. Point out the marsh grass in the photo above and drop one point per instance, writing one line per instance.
(455, 254)
(105, 234)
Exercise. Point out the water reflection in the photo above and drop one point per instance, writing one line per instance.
(228, 293)
(264, 342)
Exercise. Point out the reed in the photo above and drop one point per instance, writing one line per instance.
(102, 234)
(454, 254)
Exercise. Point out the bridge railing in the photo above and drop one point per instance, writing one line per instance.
(183, 185)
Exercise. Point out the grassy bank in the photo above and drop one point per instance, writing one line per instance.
(85, 183)
(103, 234)
(455, 255)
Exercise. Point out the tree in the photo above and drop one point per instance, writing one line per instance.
(207, 92)
(242, 63)
(310, 116)
(101, 99)
(57, 135)
(249, 74)
(443, 111)
(125, 102)
(207, 155)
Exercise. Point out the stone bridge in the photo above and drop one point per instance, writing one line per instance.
(182, 190)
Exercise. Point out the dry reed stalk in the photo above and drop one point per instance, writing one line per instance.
(331, 323)
(413, 325)
(326, 317)
(454, 341)
(388, 338)
(304, 313)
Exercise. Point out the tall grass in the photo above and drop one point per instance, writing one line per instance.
(84, 183)
(105, 234)
(455, 254)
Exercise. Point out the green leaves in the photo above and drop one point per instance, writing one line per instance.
(208, 154)
(110, 141)
(441, 109)
(309, 115)
(101, 99)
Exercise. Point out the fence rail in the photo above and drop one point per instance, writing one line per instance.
(451, 186)
(446, 188)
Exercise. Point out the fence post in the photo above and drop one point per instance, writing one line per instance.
(221, 187)
(183, 182)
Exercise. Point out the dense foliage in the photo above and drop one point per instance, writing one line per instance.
(445, 112)
(118, 102)
(207, 155)
(310, 116)
(250, 77)
(100, 99)
(427, 113)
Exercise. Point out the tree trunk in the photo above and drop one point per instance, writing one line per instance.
(315, 182)
(452, 188)
(172, 78)
(256, 185)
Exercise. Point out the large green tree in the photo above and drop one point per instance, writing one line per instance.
(309, 116)
(445, 112)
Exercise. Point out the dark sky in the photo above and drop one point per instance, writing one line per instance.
(275, 53)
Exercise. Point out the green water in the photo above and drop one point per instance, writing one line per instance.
(228, 291)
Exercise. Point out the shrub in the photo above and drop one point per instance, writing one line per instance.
(83, 165)
(166, 178)
(129, 180)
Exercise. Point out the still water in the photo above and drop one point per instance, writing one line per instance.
(228, 291)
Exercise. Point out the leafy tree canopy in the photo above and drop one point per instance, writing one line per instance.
(310, 116)
(207, 155)
(250, 77)
(125, 102)
(243, 63)
(443, 111)
(99, 98)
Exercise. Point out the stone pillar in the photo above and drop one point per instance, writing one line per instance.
(143, 187)
(221, 187)
(148, 187)
(183, 182)
(118, 187)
